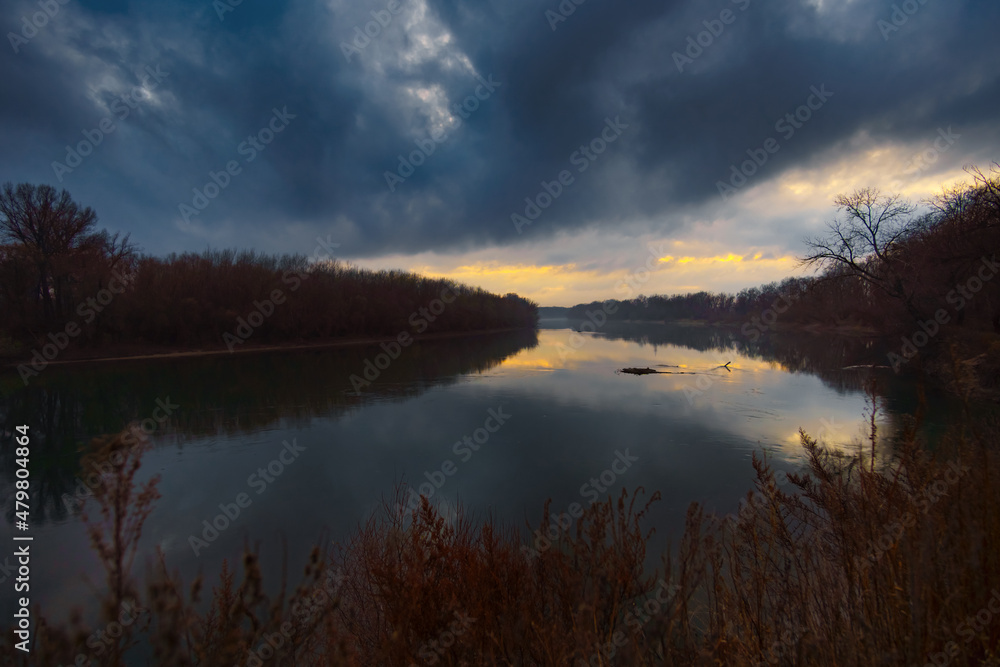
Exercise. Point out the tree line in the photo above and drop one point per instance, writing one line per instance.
(882, 264)
(59, 273)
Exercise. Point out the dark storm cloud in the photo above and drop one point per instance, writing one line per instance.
(324, 173)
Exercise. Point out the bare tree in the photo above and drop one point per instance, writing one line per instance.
(975, 206)
(117, 250)
(48, 227)
(865, 243)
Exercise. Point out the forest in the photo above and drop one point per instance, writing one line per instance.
(64, 282)
(882, 266)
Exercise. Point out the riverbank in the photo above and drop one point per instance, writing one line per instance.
(136, 352)
(812, 328)
(850, 329)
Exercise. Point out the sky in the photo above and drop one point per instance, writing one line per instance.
(567, 151)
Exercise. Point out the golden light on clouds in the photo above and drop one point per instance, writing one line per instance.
(569, 284)
(541, 283)
(913, 171)
(749, 268)
(708, 260)
(752, 239)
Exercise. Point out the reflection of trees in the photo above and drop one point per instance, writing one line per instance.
(66, 406)
(823, 355)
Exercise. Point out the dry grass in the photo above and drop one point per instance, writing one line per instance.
(857, 565)
(863, 561)
(420, 590)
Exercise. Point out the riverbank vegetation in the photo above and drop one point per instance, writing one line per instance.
(63, 282)
(882, 267)
(929, 281)
(860, 559)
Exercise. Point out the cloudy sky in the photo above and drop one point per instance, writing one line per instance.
(544, 147)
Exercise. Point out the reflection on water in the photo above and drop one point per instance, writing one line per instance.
(220, 395)
(690, 431)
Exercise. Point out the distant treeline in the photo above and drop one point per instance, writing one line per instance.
(883, 266)
(696, 306)
(60, 279)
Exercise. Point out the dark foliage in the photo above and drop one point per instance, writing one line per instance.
(883, 267)
(56, 272)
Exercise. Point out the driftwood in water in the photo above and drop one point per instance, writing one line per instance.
(647, 371)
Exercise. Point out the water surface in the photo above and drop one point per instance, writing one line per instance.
(432, 415)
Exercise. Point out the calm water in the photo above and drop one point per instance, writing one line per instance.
(567, 418)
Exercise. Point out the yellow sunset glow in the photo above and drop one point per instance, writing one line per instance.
(721, 249)
(570, 284)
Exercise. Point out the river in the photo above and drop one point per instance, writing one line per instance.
(496, 422)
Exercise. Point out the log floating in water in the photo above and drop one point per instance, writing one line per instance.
(648, 371)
